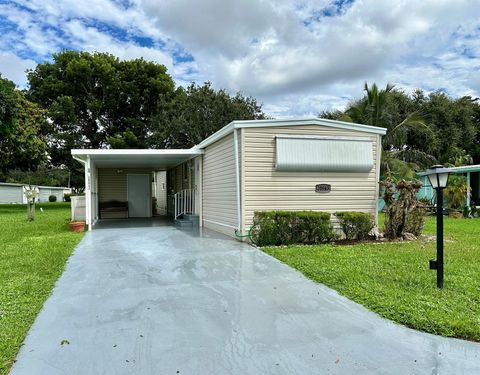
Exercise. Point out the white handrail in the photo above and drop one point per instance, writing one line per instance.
(184, 201)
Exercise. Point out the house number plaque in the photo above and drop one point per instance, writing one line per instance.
(323, 188)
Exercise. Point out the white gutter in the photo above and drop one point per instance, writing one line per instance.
(237, 175)
(378, 161)
(132, 152)
(78, 159)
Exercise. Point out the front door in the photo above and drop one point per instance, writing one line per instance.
(139, 197)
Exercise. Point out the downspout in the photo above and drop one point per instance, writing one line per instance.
(237, 175)
(378, 161)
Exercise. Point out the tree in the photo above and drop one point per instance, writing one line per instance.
(97, 101)
(456, 124)
(8, 106)
(21, 143)
(43, 175)
(197, 112)
(393, 110)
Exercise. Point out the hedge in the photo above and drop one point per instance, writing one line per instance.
(274, 228)
(52, 198)
(355, 225)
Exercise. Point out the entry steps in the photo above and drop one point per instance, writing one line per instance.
(187, 221)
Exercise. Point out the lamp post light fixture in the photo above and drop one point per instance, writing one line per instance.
(438, 176)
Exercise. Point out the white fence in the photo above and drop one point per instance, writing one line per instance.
(13, 193)
(184, 202)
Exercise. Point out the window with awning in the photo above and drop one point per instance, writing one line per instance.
(323, 154)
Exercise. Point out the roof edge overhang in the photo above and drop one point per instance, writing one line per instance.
(288, 122)
(135, 151)
(80, 153)
(135, 158)
(455, 170)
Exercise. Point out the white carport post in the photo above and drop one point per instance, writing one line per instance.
(88, 194)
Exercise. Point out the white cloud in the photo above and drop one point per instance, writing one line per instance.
(14, 67)
(92, 40)
(284, 52)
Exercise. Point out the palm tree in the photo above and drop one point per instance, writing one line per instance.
(397, 158)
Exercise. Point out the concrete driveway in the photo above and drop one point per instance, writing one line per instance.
(156, 300)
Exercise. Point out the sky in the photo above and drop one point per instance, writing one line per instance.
(297, 57)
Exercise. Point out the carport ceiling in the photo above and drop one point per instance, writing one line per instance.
(155, 159)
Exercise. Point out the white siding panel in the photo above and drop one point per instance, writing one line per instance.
(11, 194)
(219, 186)
(43, 194)
(268, 189)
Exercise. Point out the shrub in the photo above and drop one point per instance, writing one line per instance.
(355, 225)
(52, 198)
(67, 197)
(291, 227)
(403, 213)
(456, 192)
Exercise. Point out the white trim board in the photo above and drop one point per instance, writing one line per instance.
(293, 122)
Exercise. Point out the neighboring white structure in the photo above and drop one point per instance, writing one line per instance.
(13, 193)
(299, 164)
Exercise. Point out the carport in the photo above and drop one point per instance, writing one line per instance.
(122, 179)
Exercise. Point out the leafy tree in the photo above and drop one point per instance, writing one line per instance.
(97, 101)
(43, 175)
(375, 109)
(197, 112)
(21, 145)
(456, 124)
(8, 106)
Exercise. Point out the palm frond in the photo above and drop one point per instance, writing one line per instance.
(415, 156)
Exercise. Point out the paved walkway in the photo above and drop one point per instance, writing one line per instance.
(156, 300)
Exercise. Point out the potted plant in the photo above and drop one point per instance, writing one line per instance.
(77, 225)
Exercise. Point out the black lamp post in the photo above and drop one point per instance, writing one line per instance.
(438, 176)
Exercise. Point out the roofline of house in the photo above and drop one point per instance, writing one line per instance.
(461, 169)
(227, 129)
(39, 186)
(78, 153)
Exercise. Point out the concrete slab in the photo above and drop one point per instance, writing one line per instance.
(151, 299)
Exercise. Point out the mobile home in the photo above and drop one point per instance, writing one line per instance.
(247, 166)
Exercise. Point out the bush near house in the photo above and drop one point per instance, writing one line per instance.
(52, 198)
(355, 225)
(67, 197)
(274, 228)
(404, 214)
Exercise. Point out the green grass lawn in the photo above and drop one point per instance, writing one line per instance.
(32, 257)
(393, 279)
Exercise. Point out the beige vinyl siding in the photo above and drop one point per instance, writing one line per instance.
(219, 186)
(267, 189)
(184, 178)
(113, 185)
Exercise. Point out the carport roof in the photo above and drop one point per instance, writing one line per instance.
(136, 158)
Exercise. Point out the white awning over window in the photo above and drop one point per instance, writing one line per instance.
(323, 154)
